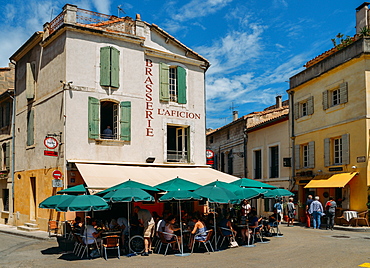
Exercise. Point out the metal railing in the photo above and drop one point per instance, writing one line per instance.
(95, 19)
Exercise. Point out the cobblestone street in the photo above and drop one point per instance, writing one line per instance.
(299, 247)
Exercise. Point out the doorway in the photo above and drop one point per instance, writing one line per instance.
(33, 205)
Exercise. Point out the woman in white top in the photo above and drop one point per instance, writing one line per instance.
(169, 231)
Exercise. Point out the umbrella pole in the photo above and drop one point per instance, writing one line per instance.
(128, 223)
(182, 254)
(214, 224)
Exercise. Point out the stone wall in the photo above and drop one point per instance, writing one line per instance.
(6, 78)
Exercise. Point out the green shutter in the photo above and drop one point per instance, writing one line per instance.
(30, 80)
(7, 154)
(181, 85)
(125, 120)
(30, 127)
(93, 118)
(114, 73)
(105, 66)
(164, 94)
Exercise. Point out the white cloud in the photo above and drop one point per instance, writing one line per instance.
(102, 6)
(199, 8)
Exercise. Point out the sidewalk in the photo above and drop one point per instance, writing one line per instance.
(338, 227)
(41, 235)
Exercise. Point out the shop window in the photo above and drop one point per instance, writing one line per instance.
(257, 164)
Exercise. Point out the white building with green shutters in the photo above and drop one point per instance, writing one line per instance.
(86, 71)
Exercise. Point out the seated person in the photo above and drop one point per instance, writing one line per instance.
(170, 231)
(77, 224)
(225, 223)
(90, 233)
(254, 222)
(199, 230)
(123, 226)
(273, 219)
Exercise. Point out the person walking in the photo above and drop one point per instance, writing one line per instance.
(291, 212)
(330, 207)
(146, 220)
(316, 210)
(308, 216)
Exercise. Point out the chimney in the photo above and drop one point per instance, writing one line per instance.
(235, 115)
(279, 104)
(362, 17)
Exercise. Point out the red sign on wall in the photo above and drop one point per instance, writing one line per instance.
(50, 153)
(57, 174)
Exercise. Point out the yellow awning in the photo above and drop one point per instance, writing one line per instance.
(335, 181)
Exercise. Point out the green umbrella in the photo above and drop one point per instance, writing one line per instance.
(248, 183)
(248, 193)
(127, 195)
(228, 186)
(177, 184)
(83, 203)
(52, 201)
(216, 194)
(78, 189)
(180, 195)
(126, 184)
(274, 193)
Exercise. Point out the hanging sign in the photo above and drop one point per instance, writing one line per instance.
(51, 143)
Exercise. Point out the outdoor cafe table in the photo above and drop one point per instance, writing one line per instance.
(108, 233)
(243, 226)
(348, 215)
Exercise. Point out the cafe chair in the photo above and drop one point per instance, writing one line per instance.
(361, 216)
(229, 237)
(257, 234)
(53, 226)
(163, 241)
(274, 229)
(206, 241)
(110, 242)
(78, 243)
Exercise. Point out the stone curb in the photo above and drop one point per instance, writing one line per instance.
(29, 235)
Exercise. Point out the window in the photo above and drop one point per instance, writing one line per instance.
(335, 96)
(108, 113)
(223, 162)
(30, 127)
(211, 139)
(5, 163)
(336, 150)
(257, 164)
(304, 108)
(274, 162)
(109, 67)
(30, 80)
(230, 158)
(5, 199)
(172, 84)
(304, 155)
(177, 144)
(5, 114)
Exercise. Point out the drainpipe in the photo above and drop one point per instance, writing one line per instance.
(245, 141)
(292, 136)
(13, 140)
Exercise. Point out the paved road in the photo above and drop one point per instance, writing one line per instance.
(300, 247)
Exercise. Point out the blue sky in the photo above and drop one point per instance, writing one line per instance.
(254, 46)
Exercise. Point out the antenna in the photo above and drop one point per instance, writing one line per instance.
(51, 15)
(120, 9)
(232, 107)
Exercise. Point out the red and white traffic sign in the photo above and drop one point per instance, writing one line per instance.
(50, 142)
(209, 154)
(57, 174)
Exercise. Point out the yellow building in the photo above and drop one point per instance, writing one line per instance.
(329, 123)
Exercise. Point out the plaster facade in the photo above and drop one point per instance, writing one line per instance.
(67, 69)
